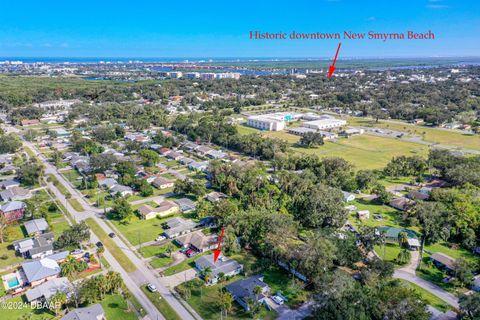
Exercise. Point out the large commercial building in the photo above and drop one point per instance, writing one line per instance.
(271, 121)
(324, 124)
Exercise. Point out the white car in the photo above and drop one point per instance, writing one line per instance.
(160, 238)
(278, 300)
(152, 287)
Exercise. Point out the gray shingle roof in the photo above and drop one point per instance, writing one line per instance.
(223, 264)
(36, 225)
(40, 269)
(243, 289)
(48, 289)
(12, 205)
(92, 312)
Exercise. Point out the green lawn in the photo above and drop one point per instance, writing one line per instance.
(150, 251)
(280, 281)
(168, 176)
(431, 273)
(116, 307)
(455, 253)
(242, 129)
(76, 205)
(184, 265)
(59, 227)
(388, 252)
(366, 151)
(72, 176)
(165, 309)
(59, 186)
(23, 311)
(161, 262)
(7, 253)
(434, 135)
(391, 216)
(204, 299)
(431, 299)
(111, 246)
(139, 230)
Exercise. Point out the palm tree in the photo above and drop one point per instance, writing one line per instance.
(257, 291)
(206, 274)
(103, 285)
(227, 302)
(115, 281)
(70, 267)
(57, 301)
(169, 249)
(404, 256)
(402, 239)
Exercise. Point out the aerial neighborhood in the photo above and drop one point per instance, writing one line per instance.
(132, 192)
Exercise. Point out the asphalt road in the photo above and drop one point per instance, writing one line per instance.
(146, 275)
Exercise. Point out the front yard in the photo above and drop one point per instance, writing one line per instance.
(138, 230)
(205, 300)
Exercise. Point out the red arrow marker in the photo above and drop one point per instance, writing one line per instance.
(217, 251)
(332, 67)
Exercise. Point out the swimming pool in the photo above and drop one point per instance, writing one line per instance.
(13, 282)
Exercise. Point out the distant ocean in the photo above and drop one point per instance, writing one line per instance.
(439, 60)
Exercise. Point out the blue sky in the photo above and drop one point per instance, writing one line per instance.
(144, 28)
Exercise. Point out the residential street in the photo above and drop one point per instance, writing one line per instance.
(147, 275)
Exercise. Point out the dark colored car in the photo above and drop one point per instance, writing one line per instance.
(112, 235)
(99, 244)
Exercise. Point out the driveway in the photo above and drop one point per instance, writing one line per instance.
(178, 278)
(430, 287)
(286, 313)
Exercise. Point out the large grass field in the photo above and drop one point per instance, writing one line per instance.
(111, 246)
(434, 135)
(367, 151)
(364, 151)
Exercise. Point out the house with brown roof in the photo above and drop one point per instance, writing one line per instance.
(15, 193)
(162, 183)
(443, 261)
(29, 122)
(164, 209)
(198, 241)
(400, 203)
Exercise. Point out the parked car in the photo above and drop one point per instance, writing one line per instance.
(87, 255)
(76, 251)
(188, 251)
(278, 300)
(184, 250)
(99, 244)
(192, 253)
(112, 235)
(152, 287)
(160, 238)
